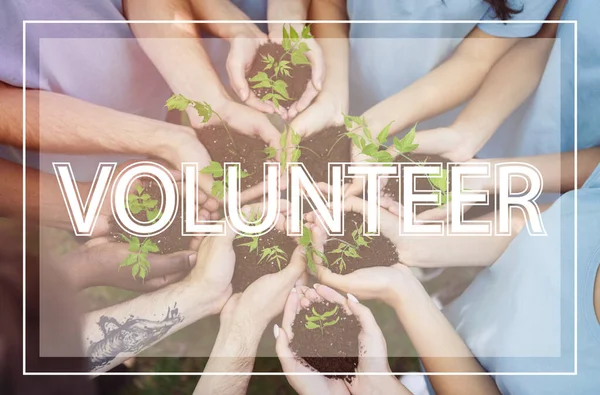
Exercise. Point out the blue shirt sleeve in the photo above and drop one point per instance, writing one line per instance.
(531, 10)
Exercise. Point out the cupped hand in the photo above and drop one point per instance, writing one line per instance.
(290, 363)
(242, 53)
(317, 63)
(96, 263)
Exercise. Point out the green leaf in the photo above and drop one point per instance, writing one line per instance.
(151, 215)
(280, 87)
(266, 97)
(260, 76)
(440, 182)
(321, 255)
(204, 110)
(296, 153)
(294, 34)
(295, 137)
(145, 196)
(283, 138)
(286, 42)
(130, 260)
(135, 270)
(406, 143)
(134, 244)
(367, 133)
(262, 84)
(135, 208)
(311, 318)
(218, 189)
(283, 160)
(306, 238)
(331, 323)
(125, 238)
(151, 203)
(275, 101)
(177, 102)
(214, 168)
(139, 189)
(331, 312)
(143, 272)
(151, 246)
(347, 121)
(311, 325)
(303, 47)
(383, 157)
(270, 152)
(383, 135)
(299, 58)
(306, 32)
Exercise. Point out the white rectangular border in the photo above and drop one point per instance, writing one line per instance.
(24, 153)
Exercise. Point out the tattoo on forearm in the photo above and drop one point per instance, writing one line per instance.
(131, 336)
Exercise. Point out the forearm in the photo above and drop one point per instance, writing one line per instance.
(444, 88)
(234, 352)
(438, 345)
(176, 49)
(216, 10)
(557, 170)
(333, 39)
(116, 333)
(59, 123)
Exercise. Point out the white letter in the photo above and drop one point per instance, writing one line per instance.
(190, 223)
(301, 184)
(371, 194)
(169, 199)
(232, 203)
(83, 216)
(475, 198)
(524, 201)
(410, 226)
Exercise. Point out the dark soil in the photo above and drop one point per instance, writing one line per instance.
(299, 77)
(392, 187)
(247, 269)
(168, 241)
(327, 146)
(246, 150)
(380, 252)
(335, 350)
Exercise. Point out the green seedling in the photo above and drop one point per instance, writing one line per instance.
(138, 257)
(310, 250)
(219, 187)
(142, 202)
(270, 78)
(350, 250)
(273, 254)
(252, 245)
(321, 321)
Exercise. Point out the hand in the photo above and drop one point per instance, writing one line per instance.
(317, 63)
(454, 143)
(242, 52)
(97, 264)
(323, 113)
(265, 298)
(290, 363)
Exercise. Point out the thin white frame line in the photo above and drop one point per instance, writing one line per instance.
(24, 182)
(575, 194)
(361, 21)
(26, 22)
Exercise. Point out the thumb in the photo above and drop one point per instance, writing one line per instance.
(317, 62)
(236, 70)
(282, 348)
(163, 265)
(363, 314)
(296, 267)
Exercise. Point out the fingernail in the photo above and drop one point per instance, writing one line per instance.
(192, 259)
(276, 331)
(352, 298)
(315, 285)
(293, 290)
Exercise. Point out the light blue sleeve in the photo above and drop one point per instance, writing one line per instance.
(531, 10)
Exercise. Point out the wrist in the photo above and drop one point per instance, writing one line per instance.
(401, 287)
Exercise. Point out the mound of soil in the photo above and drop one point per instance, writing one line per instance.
(296, 82)
(335, 349)
(392, 187)
(379, 252)
(244, 149)
(247, 266)
(327, 146)
(168, 241)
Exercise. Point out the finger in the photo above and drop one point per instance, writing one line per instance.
(355, 188)
(297, 265)
(307, 97)
(363, 314)
(162, 265)
(390, 205)
(334, 280)
(258, 104)
(311, 296)
(289, 311)
(330, 295)
(286, 356)
(236, 70)
(97, 241)
(317, 63)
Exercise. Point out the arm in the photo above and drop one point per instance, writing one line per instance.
(439, 346)
(557, 170)
(71, 125)
(224, 10)
(511, 81)
(119, 332)
(445, 87)
(176, 50)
